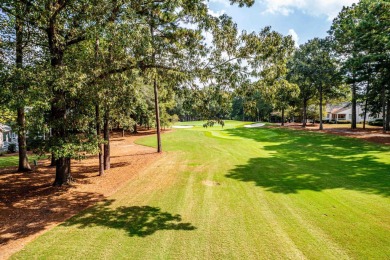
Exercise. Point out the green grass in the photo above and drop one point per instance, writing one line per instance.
(283, 194)
(9, 161)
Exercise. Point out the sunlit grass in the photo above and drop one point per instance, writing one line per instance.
(239, 193)
(8, 161)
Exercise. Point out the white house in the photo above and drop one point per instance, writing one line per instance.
(344, 112)
(7, 137)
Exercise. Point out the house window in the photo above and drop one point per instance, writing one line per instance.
(328, 116)
(342, 116)
(350, 116)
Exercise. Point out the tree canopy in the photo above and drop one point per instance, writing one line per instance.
(81, 68)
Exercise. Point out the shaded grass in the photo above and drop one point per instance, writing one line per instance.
(138, 221)
(283, 194)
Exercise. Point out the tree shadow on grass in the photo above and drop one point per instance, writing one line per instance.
(138, 221)
(298, 160)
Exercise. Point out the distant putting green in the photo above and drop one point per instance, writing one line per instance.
(239, 193)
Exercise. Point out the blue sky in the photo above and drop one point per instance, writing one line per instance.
(303, 19)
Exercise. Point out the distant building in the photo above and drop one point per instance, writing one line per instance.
(344, 112)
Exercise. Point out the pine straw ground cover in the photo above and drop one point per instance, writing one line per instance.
(372, 134)
(276, 193)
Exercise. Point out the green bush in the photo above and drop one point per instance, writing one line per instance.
(12, 148)
(174, 119)
(35, 143)
(376, 122)
(343, 122)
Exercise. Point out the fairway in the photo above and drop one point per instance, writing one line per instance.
(239, 193)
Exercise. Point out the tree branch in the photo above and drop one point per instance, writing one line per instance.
(76, 40)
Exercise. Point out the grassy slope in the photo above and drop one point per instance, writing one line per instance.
(7, 161)
(282, 194)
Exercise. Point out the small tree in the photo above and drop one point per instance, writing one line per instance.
(284, 94)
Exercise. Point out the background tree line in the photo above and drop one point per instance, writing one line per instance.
(85, 67)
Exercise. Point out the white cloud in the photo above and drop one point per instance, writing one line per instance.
(216, 13)
(294, 36)
(223, 2)
(330, 8)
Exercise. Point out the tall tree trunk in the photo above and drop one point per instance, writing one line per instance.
(23, 160)
(63, 175)
(366, 103)
(384, 107)
(304, 113)
(353, 123)
(97, 116)
(106, 134)
(98, 130)
(58, 108)
(387, 123)
(282, 116)
(321, 126)
(58, 120)
(156, 103)
(21, 120)
(52, 160)
(58, 114)
(159, 148)
(135, 131)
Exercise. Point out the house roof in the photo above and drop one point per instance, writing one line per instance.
(338, 110)
(5, 128)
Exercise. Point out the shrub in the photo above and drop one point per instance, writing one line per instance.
(35, 143)
(376, 122)
(174, 119)
(343, 122)
(12, 148)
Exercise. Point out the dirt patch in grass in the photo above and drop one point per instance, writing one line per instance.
(370, 134)
(210, 183)
(30, 205)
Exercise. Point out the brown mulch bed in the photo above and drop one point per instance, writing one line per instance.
(370, 134)
(30, 205)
